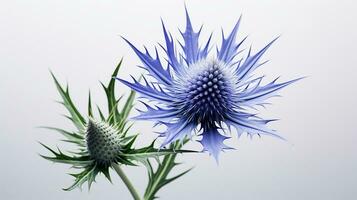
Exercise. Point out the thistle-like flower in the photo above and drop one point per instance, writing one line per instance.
(100, 144)
(203, 93)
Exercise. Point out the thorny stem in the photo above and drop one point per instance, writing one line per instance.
(127, 182)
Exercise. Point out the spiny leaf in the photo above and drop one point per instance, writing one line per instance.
(88, 174)
(90, 112)
(169, 180)
(106, 173)
(73, 137)
(128, 105)
(113, 114)
(110, 92)
(121, 125)
(100, 114)
(128, 141)
(91, 177)
(125, 132)
(60, 157)
(76, 117)
(158, 178)
(144, 154)
(126, 161)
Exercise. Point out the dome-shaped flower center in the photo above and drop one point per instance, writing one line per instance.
(207, 93)
(103, 142)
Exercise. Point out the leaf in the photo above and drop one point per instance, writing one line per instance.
(113, 114)
(73, 137)
(110, 92)
(90, 112)
(151, 152)
(169, 180)
(88, 174)
(158, 178)
(76, 117)
(100, 114)
(60, 157)
(106, 173)
(125, 160)
(142, 154)
(128, 141)
(128, 105)
(138, 155)
(125, 131)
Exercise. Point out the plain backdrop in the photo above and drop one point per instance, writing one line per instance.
(80, 42)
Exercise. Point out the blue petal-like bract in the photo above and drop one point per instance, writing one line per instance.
(198, 93)
(229, 49)
(157, 114)
(147, 91)
(251, 63)
(170, 50)
(190, 38)
(153, 65)
(177, 131)
(212, 141)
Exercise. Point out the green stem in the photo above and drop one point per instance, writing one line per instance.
(162, 172)
(126, 181)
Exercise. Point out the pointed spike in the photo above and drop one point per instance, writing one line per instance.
(90, 112)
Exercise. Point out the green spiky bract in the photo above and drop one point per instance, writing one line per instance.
(102, 142)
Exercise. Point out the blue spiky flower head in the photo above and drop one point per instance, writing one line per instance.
(202, 93)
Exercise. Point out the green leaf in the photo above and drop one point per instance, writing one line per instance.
(169, 180)
(110, 92)
(90, 112)
(159, 177)
(100, 114)
(128, 105)
(106, 173)
(73, 137)
(128, 141)
(145, 153)
(125, 131)
(137, 155)
(88, 174)
(113, 114)
(76, 117)
(125, 160)
(60, 157)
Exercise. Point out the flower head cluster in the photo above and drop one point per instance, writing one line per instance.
(202, 93)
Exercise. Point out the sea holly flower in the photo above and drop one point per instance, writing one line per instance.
(103, 142)
(204, 92)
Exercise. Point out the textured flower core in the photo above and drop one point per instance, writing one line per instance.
(103, 142)
(207, 93)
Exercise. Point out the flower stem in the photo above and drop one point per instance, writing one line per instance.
(126, 181)
(159, 177)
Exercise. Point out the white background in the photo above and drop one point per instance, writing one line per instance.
(80, 41)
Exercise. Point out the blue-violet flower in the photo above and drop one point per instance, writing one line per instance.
(200, 93)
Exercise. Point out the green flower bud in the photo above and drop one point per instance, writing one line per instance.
(103, 142)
